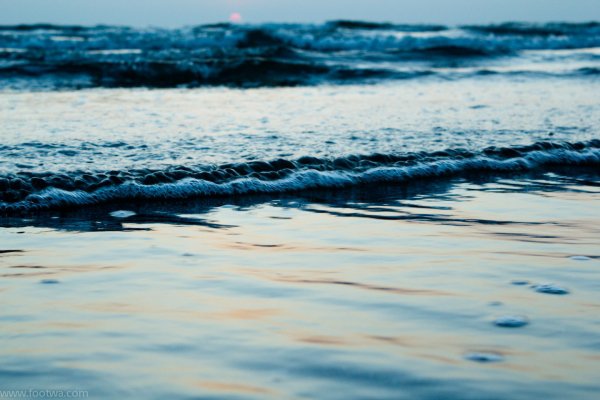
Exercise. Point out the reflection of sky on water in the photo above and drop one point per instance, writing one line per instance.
(274, 298)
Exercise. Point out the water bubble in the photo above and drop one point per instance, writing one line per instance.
(550, 288)
(511, 321)
(484, 357)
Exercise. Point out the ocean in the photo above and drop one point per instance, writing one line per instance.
(332, 211)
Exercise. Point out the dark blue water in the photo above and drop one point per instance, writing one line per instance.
(289, 54)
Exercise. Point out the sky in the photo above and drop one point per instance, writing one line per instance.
(174, 13)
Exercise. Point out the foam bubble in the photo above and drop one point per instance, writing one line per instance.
(122, 214)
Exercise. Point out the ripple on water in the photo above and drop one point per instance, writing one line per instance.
(550, 288)
(511, 321)
(484, 357)
(580, 258)
(49, 281)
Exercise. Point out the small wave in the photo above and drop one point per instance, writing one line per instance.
(26, 192)
(588, 71)
(248, 72)
(529, 29)
(454, 51)
(348, 24)
(243, 72)
(367, 25)
(41, 27)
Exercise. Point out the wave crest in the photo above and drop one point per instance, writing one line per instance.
(28, 192)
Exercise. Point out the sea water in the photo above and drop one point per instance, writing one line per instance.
(346, 210)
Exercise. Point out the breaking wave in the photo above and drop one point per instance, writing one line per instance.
(26, 192)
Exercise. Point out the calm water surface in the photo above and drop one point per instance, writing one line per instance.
(390, 295)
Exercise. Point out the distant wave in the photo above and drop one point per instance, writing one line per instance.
(26, 192)
(276, 54)
(549, 29)
(367, 25)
